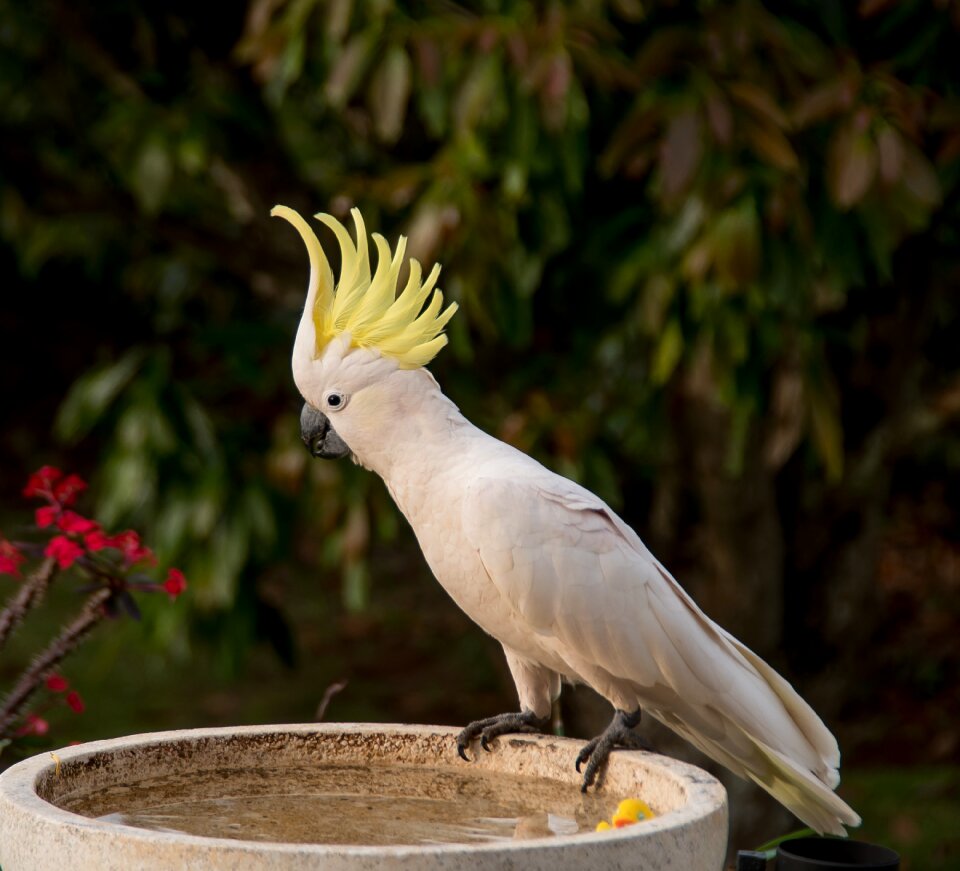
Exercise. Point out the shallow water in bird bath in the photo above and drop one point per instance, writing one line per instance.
(349, 805)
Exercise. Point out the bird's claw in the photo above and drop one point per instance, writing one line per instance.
(493, 727)
(582, 757)
(596, 752)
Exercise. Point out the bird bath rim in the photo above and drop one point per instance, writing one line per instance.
(698, 801)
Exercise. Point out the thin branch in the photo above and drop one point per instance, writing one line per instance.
(29, 595)
(328, 694)
(70, 637)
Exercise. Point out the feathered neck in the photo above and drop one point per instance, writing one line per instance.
(407, 420)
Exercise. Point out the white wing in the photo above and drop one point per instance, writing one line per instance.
(591, 594)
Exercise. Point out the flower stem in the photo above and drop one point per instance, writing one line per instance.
(29, 595)
(70, 637)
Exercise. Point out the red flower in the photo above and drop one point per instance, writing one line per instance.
(128, 542)
(66, 491)
(75, 702)
(175, 583)
(46, 515)
(41, 482)
(10, 559)
(70, 521)
(33, 725)
(57, 683)
(64, 551)
(97, 540)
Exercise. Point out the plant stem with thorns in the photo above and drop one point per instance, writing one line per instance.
(29, 595)
(70, 637)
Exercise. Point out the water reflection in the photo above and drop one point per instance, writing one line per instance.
(350, 805)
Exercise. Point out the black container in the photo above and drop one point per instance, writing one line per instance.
(750, 860)
(808, 854)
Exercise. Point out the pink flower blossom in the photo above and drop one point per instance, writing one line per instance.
(175, 583)
(10, 559)
(57, 683)
(64, 551)
(75, 702)
(33, 725)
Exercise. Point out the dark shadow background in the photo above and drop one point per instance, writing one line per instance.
(707, 261)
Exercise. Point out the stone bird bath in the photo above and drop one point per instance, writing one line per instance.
(348, 797)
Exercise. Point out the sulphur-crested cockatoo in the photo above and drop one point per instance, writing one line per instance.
(540, 563)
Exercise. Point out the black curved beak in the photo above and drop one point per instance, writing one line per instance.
(320, 438)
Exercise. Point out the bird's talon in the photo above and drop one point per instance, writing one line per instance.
(590, 777)
(617, 735)
(492, 727)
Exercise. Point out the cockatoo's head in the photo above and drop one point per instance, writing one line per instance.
(355, 342)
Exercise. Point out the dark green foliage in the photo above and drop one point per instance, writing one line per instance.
(680, 233)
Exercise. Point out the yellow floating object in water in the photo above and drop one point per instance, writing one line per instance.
(629, 811)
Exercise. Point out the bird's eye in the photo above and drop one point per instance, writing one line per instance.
(335, 400)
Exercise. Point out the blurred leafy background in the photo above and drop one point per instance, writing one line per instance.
(707, 256)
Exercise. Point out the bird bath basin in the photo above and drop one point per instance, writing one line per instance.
(337, 796)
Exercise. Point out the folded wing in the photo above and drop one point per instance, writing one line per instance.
(592, 594)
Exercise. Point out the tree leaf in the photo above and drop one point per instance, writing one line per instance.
(389, 94)
(338, 18)
(920, 178)
(91, 394)
(785, 421)
(832, 98)
(629, 138)
(735, 244)
(477, 99)
(759, 102)
(680, 153)
(770, 144)
(127, 480)
(720, 118)
(892, 154)
(851, 166)
(348, 70)
(658, 293)
(152, 174)
(355, 588)
(668, 353)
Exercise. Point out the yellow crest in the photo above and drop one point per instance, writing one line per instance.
(366, 307)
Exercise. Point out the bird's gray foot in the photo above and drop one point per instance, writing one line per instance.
(492, 727)
(618, 735)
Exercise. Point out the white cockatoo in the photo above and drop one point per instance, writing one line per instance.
(539, 562)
